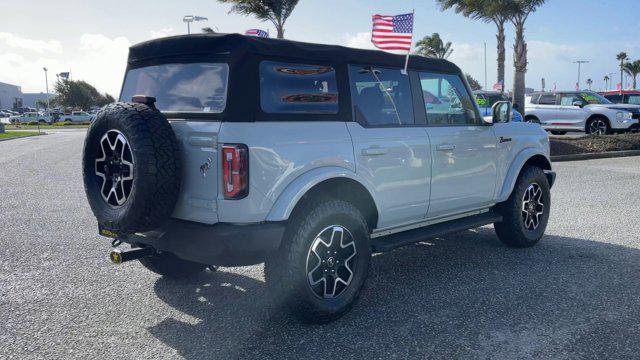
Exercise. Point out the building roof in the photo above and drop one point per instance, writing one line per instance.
(236, 46)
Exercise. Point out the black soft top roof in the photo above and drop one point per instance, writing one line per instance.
(236, 46)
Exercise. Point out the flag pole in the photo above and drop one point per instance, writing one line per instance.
(413, 22)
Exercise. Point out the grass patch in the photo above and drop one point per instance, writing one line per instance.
(15, 134)
(595, 144)
(47, 126)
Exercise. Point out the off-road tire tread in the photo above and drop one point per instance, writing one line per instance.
(278, 272)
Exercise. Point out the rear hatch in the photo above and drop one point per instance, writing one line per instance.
(188, 93)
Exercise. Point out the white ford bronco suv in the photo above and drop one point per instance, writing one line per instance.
(229, 150)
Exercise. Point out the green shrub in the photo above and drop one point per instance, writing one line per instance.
(32, 123)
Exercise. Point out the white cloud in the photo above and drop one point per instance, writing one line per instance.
(162, 33)
(39, 46)
(101, 61)
(361, 40)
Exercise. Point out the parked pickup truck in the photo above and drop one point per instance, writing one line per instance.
(29, 117)
(77, 116)
(581, 111)
(320, 156)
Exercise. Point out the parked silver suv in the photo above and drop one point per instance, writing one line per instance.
(582, 111)
(240, 150)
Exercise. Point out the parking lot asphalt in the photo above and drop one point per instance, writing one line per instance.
(575, 295)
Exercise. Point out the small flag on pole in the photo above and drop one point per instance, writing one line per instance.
(393, 32)
(257, 32)
(63, 75)
(497, 86)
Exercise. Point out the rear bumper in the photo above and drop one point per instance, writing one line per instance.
(220, 244)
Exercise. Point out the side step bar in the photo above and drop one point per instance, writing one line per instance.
(390, 242)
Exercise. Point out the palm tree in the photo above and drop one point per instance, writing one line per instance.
(632, 69)
(496, 11)
(606, 82)
(433, 47)
(520, 11)
(276, 11)
(622, 57)
(589, 82)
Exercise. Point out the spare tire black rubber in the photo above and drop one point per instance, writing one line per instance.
(143, 183)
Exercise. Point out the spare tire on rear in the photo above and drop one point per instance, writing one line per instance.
(131, 168)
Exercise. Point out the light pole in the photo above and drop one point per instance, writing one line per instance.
(46, 82)
(579, 62)
(191, 18)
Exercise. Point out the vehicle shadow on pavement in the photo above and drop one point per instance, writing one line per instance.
(465, 295)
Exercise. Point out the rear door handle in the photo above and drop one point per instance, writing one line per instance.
(374, 151)
(446, 147)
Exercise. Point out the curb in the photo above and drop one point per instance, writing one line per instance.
(24, 136)
(591, 156)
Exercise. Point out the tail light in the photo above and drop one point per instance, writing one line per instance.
(235, 171)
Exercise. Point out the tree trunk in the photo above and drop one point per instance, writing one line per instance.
(280, 28)
(501, 53)
(520, 66)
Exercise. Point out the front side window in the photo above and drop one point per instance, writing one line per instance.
(634, 99)
(446, 100)
(614, 98)
(569, 99)
(298, 89)
(381, 96)
(197, 87)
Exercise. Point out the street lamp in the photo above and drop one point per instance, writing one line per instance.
(191, 18)
(46, 82)
(579, 62)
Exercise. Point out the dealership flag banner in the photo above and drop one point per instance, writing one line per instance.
(393, 32)
(257, 32)
(498, 86)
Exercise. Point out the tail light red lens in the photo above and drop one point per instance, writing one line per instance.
(235, 171)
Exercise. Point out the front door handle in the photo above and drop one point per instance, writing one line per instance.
(374, 151)
(446, 147)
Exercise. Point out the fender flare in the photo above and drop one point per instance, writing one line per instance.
(291, 195)
(516, 166)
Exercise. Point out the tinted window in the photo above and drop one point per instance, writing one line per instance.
(614, 98)
(381, 96)
(634, 99)
(547, 99)
(198, 87)
(298, 89)
(446, 100)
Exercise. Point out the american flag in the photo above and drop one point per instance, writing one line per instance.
(392, 32)
(257, 32)
(497, 86)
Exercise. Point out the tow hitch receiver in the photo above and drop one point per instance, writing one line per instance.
(118, 256)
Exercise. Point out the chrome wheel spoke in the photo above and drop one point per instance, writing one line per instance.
(330, 263)
(114, 168)
(532, 206)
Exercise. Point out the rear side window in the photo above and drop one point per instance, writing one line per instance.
(547, 99)
(446, 100)
(633, 99)
(381, 96)
(287, 88)
(197, 87)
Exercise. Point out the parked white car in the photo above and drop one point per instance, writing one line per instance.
(29, 117)
(77, 116)
(583, 111)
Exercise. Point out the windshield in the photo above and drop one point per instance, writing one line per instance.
(594, 98)
(198, 87)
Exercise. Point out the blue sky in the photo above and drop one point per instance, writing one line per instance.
(91, 37)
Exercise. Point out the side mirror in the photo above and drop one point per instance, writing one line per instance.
(578, 104)
(500, 113)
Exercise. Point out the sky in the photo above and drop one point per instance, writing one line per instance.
(90, 38)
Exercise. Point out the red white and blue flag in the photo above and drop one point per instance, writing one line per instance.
(257, 32)
(392, 32)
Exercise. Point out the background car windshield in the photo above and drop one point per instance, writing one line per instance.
(594, 98)
(198, 87)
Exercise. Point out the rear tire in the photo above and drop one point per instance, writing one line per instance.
(295, 273)
(526, 213)
(556, 132)
(171, 266)
(532, 119)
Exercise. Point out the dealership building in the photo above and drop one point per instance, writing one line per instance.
(11, 96)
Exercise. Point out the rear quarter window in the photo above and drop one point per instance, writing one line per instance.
(288, 88)
(196, 87)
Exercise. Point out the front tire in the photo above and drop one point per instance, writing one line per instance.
(598, 126)
(526, 213)
(322, 265)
